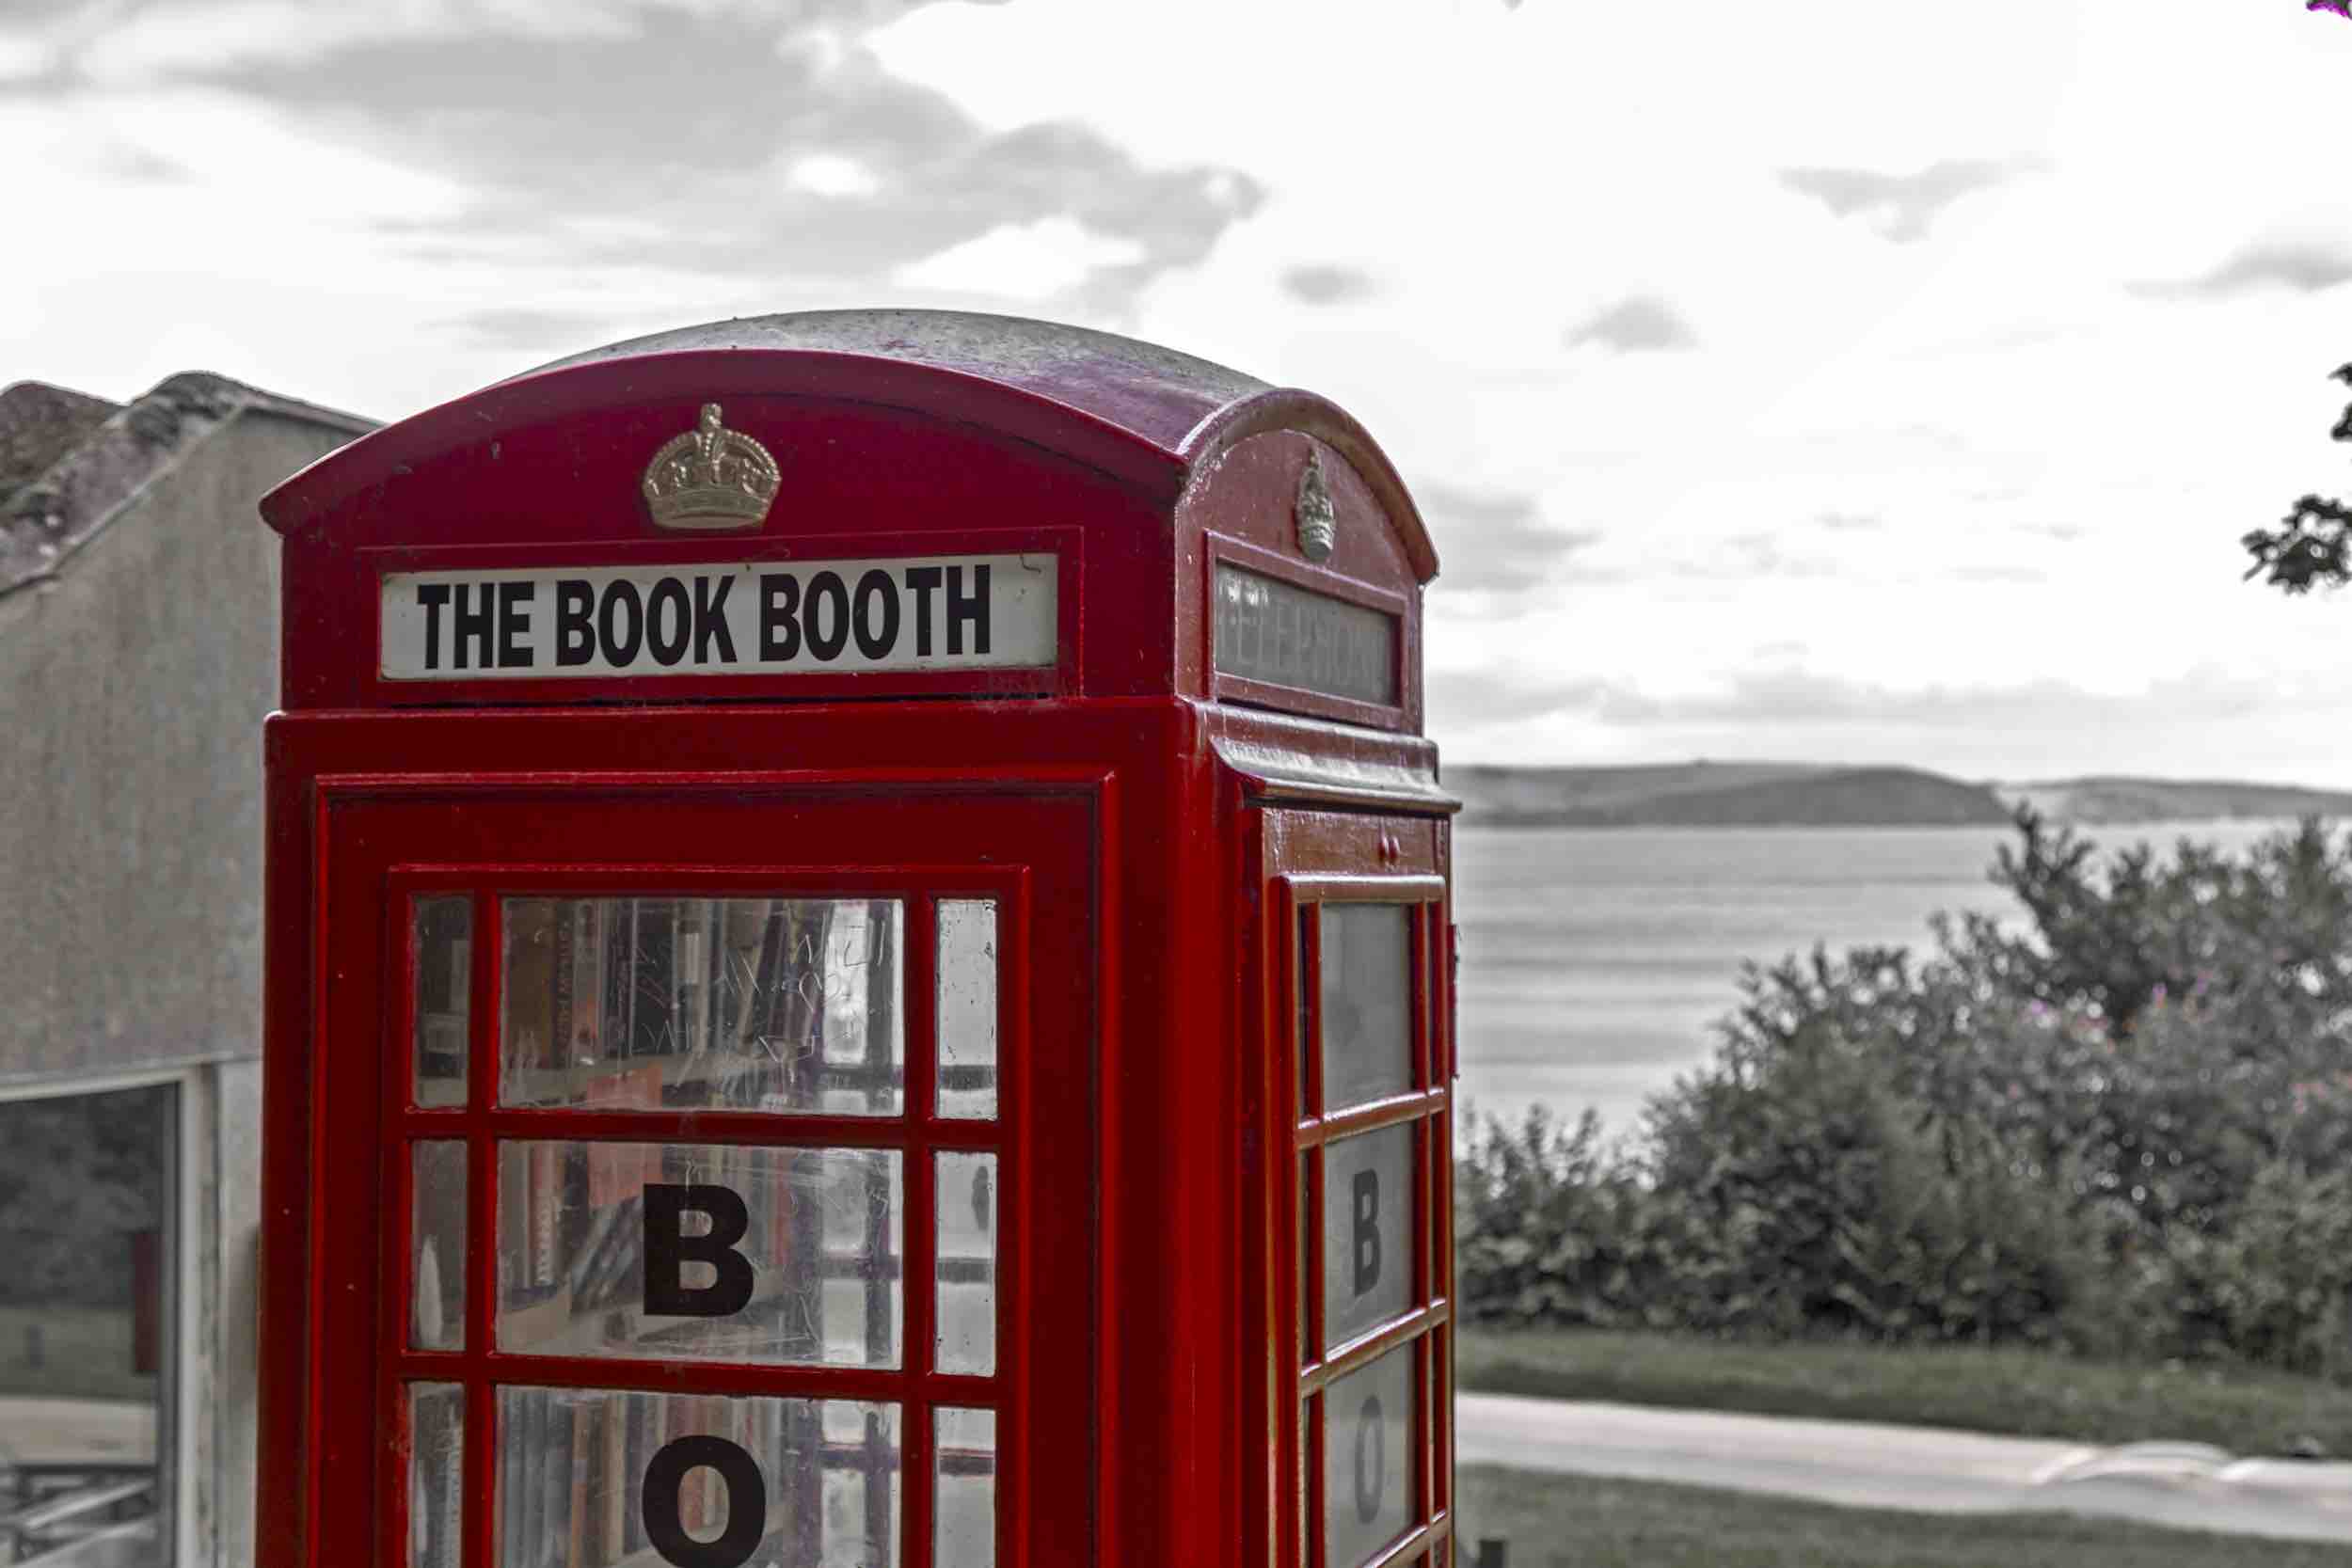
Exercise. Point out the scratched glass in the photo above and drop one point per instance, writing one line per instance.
(1367, 1235)
(967, 1201)
(437, 1473)
(679, 1004)
(963, 1530)
(967, 1007)
(1367, 1459)
(1366, 997)
(441, 936)
(436, 1245)
(700, 1252)
(597, 1476)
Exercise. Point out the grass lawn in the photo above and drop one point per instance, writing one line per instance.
(1584, 1522)
(2026, 1393)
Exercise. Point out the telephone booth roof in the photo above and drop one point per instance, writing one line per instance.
(1141, 478)
(1147, 415)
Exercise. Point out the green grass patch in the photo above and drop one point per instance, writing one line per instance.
(1587, 1522)
(2024, 1393)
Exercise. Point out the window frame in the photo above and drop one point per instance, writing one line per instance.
(1304, 1367)
(189, 1372)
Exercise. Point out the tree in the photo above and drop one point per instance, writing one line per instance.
(2312, 544)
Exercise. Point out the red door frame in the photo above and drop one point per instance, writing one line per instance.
(390, 840)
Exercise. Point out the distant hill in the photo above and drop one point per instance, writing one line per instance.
(1730, 795)
(2133, 801)
(1796, 795)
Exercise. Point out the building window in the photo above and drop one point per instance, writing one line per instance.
(87, 1322)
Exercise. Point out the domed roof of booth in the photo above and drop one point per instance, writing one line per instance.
(1133, 408)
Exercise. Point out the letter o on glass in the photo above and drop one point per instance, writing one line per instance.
(747, 1503)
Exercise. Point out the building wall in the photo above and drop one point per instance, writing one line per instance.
(133, 686)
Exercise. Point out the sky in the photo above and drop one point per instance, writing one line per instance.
(1832, 380)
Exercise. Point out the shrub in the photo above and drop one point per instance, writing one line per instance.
(2127, 1130)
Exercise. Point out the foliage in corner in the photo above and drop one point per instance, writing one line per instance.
(2312, 544)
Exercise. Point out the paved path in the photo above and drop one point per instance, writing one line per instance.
(1922, 1468)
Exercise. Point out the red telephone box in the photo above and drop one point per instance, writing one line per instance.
(858, 970)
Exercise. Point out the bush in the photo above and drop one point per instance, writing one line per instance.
(2125, 1131)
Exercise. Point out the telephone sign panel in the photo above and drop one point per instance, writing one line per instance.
(812, 860)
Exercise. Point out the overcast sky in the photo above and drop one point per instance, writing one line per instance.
(1830, 379)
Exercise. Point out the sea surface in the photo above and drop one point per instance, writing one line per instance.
(1595, 961)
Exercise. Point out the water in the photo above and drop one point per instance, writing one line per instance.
(1595, 961)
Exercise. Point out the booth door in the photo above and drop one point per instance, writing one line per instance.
(1361, 1248)
(731, 1168)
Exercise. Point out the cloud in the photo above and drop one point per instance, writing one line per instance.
(705, 141)
(1901, 207)
(1637, 325)
(1495, 542)
(525, 331)
(1022, 260)
(2299, 266)
(1850, 522)
(1326, 283)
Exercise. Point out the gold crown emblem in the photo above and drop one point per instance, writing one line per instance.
(710, 478)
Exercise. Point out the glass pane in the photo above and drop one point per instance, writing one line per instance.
(437, 1260)
(443, 930)
(1367, 1236)
(1306, 1259)
(703, 1003)
(708, 1252)
(966, 1520)
(967, 1201)
(1368, 1458)
(967, 1007)
(86, 1309)
(436, 1474)
(1366, 997)
(587, 1476)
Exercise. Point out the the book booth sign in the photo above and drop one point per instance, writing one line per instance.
(742, 618)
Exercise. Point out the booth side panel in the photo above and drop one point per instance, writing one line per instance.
(285, 1504)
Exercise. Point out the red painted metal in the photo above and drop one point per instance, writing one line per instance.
(1159, 837)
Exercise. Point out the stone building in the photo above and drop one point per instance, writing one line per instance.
(139, 653)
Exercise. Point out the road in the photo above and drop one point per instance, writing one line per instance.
(1920, 1469)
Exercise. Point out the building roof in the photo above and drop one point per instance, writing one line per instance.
(70, 462)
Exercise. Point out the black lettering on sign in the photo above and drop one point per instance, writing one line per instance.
(827, 631)
(575, 622)
(1365, 1192)
(1372, 1460)
(710, 621)
(876, 614)
(669, 1249)
(923, 581)
(472, 621)
(432, 596)
(515, 623)
(779, 604)
(620, 649)
(747, 1502)
(668, 644)
(967, 610)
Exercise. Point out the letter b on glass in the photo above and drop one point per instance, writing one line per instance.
(669, 1249)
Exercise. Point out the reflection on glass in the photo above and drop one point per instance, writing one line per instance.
(967, 1200)
(443, 930)
(967, 1007)
(437, 1260)
(965, 1521)
(588, 1476)
(1367, 1450)
(86, 1313)
(437, 1473)
(1367, 1239)
(703, 1003)
(1366, 998)
(711, 1252)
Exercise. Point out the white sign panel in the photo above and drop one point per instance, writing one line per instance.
(746, 618)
